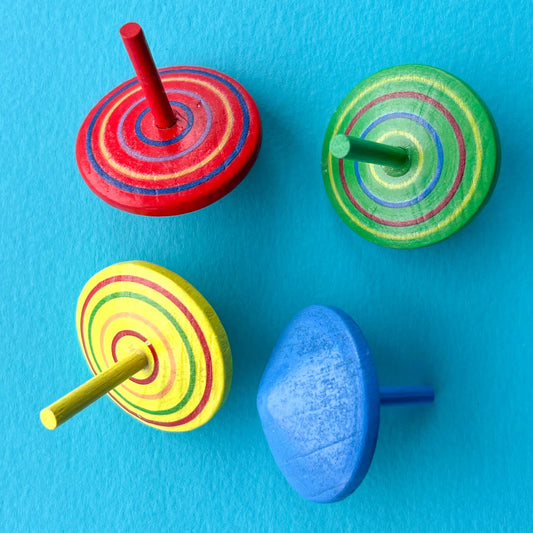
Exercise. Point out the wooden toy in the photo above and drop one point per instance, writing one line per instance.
(410, 156)
(169, 141)
(319, 403)
(154, 344)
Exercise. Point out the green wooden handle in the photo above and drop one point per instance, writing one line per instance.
(346, 147)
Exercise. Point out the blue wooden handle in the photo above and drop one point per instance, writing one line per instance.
(406, 395)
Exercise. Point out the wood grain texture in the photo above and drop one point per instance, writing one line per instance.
(136, 166)
(139, 305)
(319, 404)
(453, 149)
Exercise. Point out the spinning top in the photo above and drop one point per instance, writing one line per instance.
(319, 403)
(169, 141)
(154, 345)
(410, 156)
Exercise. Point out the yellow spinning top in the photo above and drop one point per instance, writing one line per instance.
(154, 344)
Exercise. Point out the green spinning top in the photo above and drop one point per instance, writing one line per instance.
(410, 156)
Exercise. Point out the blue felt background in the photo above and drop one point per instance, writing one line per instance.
(457, 315)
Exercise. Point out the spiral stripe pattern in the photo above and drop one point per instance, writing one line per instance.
(453, 148)
(139, 305)
(132, 164)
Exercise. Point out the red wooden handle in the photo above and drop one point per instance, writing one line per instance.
(143, 63)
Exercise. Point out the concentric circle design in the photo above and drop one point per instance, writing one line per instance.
(453, 147)
(140, 305)
(135, 166)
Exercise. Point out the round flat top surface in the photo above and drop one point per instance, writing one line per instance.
(136, 166)
(140, 305)
(453, 148)
(319, 404)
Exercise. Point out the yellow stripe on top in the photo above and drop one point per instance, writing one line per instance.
(414, 177)
(212, 154)
(170, 315)
(477, 170)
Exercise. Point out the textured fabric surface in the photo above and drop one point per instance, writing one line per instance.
(456, 315)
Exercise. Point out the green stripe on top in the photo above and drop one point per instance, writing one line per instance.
(172, 320)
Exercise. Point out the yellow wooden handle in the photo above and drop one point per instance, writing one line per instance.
(95, 388)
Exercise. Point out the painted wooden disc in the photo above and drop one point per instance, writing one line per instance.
(135, 166)
(140, 305)
(318, 401)
(454, 155)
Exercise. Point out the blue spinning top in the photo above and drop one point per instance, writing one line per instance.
(319, 403)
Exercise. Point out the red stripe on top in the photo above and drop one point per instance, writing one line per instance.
(460, 171)
(197, 329)
(131, 333)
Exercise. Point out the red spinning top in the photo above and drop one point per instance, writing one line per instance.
(170, 141)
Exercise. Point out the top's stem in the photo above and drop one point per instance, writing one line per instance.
(347, 147)
(143, 63)
(406, 395)
(78, 399)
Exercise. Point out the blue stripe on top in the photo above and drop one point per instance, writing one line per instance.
(170, 190)
(440, 158)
